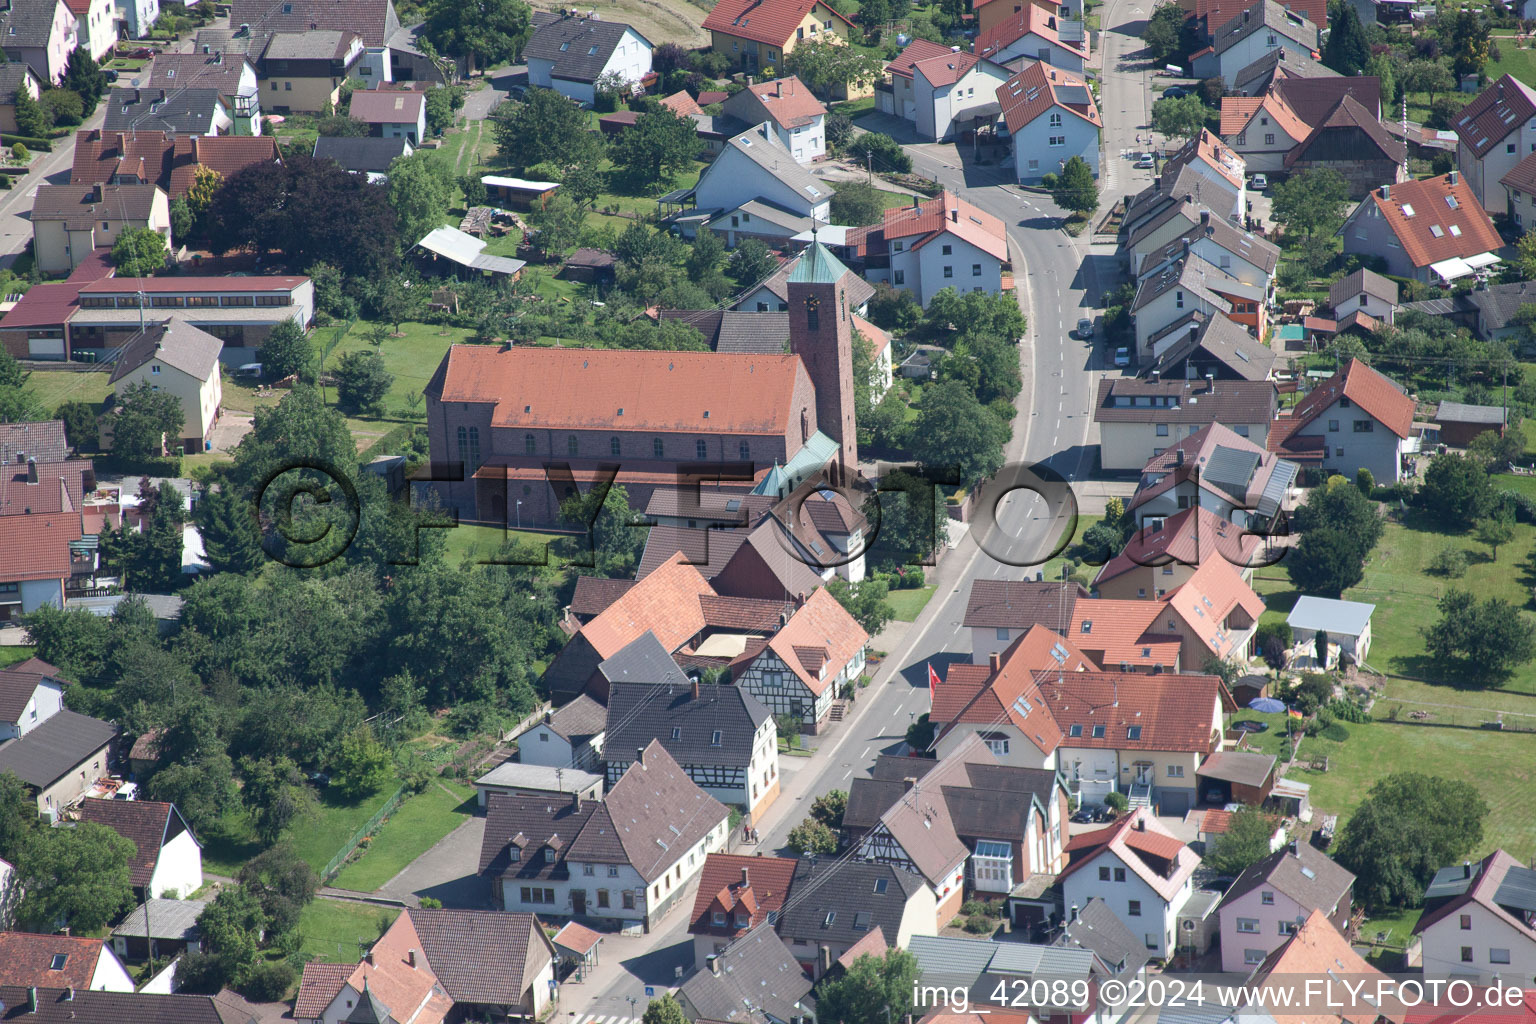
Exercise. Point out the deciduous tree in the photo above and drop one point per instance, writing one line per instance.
(1408, 827)
(956, 434)
(544, 127)
(1075, 188)
(361, 379)
(286, 351)
(420, 191)
(871, 988)
(1180, 117)
(1245, 843)
(78, 875)
(486, 32)
(1311, 204)
(1482, 641)
(559, 223)
(857, 204)
(146, 420)
(658, 147)
(1456, 491)
(823, 65)
(139, 252)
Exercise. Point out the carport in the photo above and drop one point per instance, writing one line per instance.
(1236, 776)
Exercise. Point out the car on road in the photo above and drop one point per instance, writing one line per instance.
(1085, 329)
(1258, 183)
(1145, 160)
(1082, 815)
(518, 91)
(1122, 357)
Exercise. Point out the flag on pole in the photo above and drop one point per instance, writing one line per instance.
(933, 677)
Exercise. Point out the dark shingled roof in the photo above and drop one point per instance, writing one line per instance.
(684, 725)
(83, 1006)
(593, 594)
(1369, 282)
(1498, 303)
(1012, 604)
(28, 22)
(1302, 872)
(43, 440)
(1099, 931)
(995, 804)
(12, 74)
(836, 902)
(579, 720)
(145, 823)
(1221, 339)
(578, 47)
(55, 748)
(374, 20)
(642, 660)
(79, 206)
(1229, 401)
(179, 111)
(758, 976)
(482, 956)
(16, 689)
(361, 154)
(734, 330)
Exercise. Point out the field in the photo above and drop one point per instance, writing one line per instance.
(483, 542)
(412, 358)
(336, 932)
(408, 833)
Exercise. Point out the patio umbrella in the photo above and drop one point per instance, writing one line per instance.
(1267, 705)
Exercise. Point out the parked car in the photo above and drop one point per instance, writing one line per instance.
(1174, 92)
(1146, 161)
(1122, 357)
(1085, 329)
(1258, 183)
(142, 53)
(109, 74)
(518, 91)
(1082, 815)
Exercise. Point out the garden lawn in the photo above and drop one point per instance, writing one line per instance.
(1512, 61)
(55, 387)
(408, 833)
(334, 931)
(11, 655)
(321, 836)
(909, 604)
(412, 358)
(483, 542)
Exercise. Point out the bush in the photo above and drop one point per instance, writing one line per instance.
(978, 925)
(1365, 480)
(1449, 562)
(1348, 711)
(26, 140)
(19, 153)
(268, 981)
(1335, 732)
(1117, 802)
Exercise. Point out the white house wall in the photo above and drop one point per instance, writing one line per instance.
(1035, 155)
(180, 868)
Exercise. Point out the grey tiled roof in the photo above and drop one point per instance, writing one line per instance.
(55, 748)
(1098, 930)
(374, 20)
(643, 660)
(181, 112)
(1369, 282)
(1270, 15)
(482, 957)
(757, 976)
(44, 440)
(84, 1006)
(1220, 338)
(578, 47)
(1253, 79)
(12, 74)
(175, 343)
(684, 725)
(1498, 303)
(361, 154)
(28, 22)
(837, 902)
(1302, 872)
(580, 719)
(167, 919)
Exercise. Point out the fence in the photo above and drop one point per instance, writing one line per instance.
(334, 865)
(1452, 716)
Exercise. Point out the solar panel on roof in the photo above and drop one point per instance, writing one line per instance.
(1518, 890)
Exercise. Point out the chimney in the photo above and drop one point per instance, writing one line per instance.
(1466, 869)
(549, 716)
(1450, 179)
(997, 661)
(21, 458)
(714, 964)
(1178, 456)
(410, 955)
(69, 993)
(576, 801)
(778, 89)
(97, 192)
(1205, 216)
(695, 687)
(746, 882)
(1156, 375)
(1295, 848)
(368, 958)
(954, 215)
(1386, 191)
(1141, 823)
(31, 471)
(908, 783)
(640, 756)
(826, 959)
(1074, 913)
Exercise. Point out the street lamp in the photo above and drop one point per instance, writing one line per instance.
(519, 514)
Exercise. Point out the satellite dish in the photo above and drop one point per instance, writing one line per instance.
(1187, 925)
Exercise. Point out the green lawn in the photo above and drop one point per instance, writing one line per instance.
(412, 358)
(485, 541)
(55, 387)
(1512, 61)
(332, 931)
(11, 655)
(322, 836)
(909, 604)
(408, 833)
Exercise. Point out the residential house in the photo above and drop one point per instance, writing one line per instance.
(1051, 117)
(1000, 701)
(175, 111)
(65, 1005)
(1262, 129)
(95, 26)
(390, 50)
(30, 694)
(514, 778)
(736, 894)
(570, 736)
(1150, 746)
(160, 928)
(1479, 921)
(1141, 871)
(1140, 418)
(991, 13)
(944, 242)
(432, 965)
(43, 440)
(805, 666)
(1216, 469)
(1168, 294)
(1212, 348)
(999, 612)
(61, 759)
(391, 113)
(1214, 162)
(755, 165)
(757, 34)
(304, 71)
(367, 156)
(1314, 949)
(1358, 403)
(138, 16)
(723, 738)
(15, 77)
(1012, 978)
(1494, 133)
(1250, 35)
(69, 222)
(232, 74)
(1278, 65)
(1241, 254)
(1460, 422)
(1351, 142)
(41, 34)
(176, 357)
(769, 224)
(640, 846)
(1519, 190)
(1095, 928)
(1274, 896)
(1209, 15)
(164, 159)
(1432, 226)
(772, 293)
(1164, 555)
(36, 561)
(29, 960)
(168, 858)
(1172, 204)
(1010, 817)
(1365, 298)
(569, 53)
(898, 95)
(793, 110)
(1032, 33)
(756, 978)
(239, 311)
(839, 902)
(956, 94)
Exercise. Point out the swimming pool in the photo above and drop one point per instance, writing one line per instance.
(1291, 332)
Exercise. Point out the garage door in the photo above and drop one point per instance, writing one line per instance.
(1175, 801)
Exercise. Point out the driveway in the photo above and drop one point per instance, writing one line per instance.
(446, 872)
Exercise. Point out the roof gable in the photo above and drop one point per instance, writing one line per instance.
(764, 21)
(1434, 219)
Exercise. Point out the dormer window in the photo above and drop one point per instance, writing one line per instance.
(514, 855)
(549, 855)
(718, 919)
(742, 920)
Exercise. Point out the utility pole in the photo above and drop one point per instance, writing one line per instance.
(869, 163)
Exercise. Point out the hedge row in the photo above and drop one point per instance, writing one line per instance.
(43, 145)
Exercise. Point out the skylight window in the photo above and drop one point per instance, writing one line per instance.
(1098, 732)
(564, 47)
(1021, 706)
(1435, 230)
(1452, 203)
(1133, 732)
(1407, 209)
(880, 884)
(1076, 730)
(1455, 230)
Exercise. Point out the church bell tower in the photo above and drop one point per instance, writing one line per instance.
(821, 334)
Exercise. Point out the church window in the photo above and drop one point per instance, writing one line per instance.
(613, 446)
(656, 447)
(528, 444)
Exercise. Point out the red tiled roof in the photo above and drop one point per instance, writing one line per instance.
(709, 97)
(1207, 598)
(1216, 820)
(193, 284)
(1428, 226)
(917, 50)
(1362, 385)
(1011, 694)
(1348, 116)
(1031, 19)
(821, 625)
(1498, 110)
(1032, 92)
(226, 154)
(724, 393)
(386, 106)
(1190, 537)
(1235, 112)
(1119, 631)
(759, 885)
(948, 213)
(1157, 844)
(1137, 833)
(44, 305)
(321, 984)
(666, 603)
(681, 104)
(945, 69)
(37, 547)
(1173, 711)
(162, 160)
(764, 21)
(26, 959)
(788, 101)
(1316, 949)
(575, 937)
